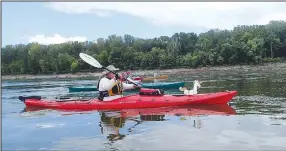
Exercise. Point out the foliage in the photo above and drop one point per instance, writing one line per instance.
(253, 44)
(74, 67)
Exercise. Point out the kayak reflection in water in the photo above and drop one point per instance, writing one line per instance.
(113, 121)
(110, 124)
(152, 117)
(197, 124)
(110, 86)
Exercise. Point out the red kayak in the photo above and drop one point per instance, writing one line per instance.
(137, 78)
(147, 98)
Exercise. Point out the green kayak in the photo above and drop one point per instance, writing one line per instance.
(161, 85)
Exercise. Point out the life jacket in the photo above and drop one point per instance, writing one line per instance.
(116, 89)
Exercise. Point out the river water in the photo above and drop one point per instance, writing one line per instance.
(257, 120)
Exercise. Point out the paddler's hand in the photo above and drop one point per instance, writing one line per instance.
(137, 86)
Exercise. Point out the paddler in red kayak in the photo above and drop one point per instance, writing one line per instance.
(126, 75)
(110, 86)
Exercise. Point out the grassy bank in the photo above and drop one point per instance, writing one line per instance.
(265, 67)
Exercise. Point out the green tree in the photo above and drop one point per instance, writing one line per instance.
(74, 66)
(250, 44)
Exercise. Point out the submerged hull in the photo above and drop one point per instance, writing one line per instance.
(135, 101)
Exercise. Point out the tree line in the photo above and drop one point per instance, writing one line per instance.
(251, 44)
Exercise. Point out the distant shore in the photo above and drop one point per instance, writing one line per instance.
(265, 67)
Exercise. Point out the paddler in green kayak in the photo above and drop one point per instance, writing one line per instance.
(110, 86)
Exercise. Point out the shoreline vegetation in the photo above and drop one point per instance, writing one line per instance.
(212, 50)
(242, 68)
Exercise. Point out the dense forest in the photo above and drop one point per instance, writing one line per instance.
(253, 44)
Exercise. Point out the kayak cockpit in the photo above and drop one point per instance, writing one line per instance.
(151, 92)
(23, 98)
(178, 95)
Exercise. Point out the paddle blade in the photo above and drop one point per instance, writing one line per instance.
(90, 60)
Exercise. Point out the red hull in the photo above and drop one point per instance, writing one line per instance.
(189, 110)
(136, 101)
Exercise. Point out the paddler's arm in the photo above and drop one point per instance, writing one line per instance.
(128, 86)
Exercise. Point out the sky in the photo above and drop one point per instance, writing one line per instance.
(58, 22)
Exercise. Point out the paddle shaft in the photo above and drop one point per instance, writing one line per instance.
(93, 62)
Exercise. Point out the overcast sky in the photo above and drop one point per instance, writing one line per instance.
(55, 22)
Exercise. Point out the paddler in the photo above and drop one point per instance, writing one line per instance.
(128, 73)
(110, 86)
(155, 78)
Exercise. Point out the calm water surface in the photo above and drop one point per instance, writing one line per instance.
(255, 119)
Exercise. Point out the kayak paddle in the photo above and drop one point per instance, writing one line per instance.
(90, 60)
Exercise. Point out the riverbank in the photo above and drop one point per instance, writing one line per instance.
(265, 67)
